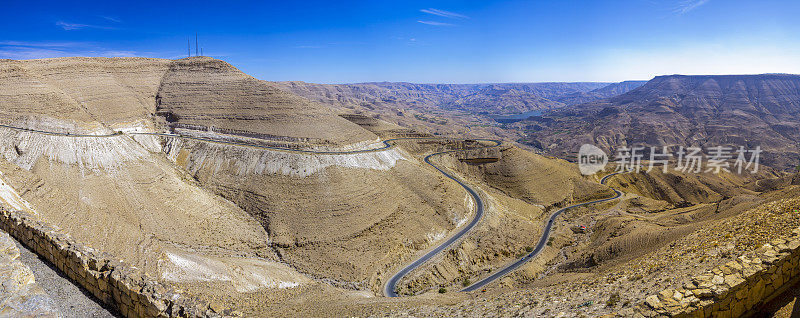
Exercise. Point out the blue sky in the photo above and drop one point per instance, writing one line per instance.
(424, 41)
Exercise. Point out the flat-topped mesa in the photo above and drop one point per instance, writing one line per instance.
(766, 93)
(203, 94)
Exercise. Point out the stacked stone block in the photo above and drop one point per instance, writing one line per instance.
(123, 287)
(734, 289)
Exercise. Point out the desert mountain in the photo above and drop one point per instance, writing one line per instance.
(216, 218)
(80, 91)
(245, 195)
(221, 98)
(186, 200)
(451, 109)
(610, 90)
(196, 94)
(496, 99)
(735, 110)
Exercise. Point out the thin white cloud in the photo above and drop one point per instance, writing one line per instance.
(685, 6)
(443, 13)
(407, 41)
(435, 23)
(112, 19)
(28, 53)
(67, 26)
(19, 50)
(71, 26)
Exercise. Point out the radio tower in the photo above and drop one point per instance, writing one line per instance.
(195, 44)
(188, 47)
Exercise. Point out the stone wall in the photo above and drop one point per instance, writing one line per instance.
(734, 289)
(20, 296)
(123, 287)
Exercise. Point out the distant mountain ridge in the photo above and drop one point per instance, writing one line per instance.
(607, 91)
(490, 98)
(673, 110)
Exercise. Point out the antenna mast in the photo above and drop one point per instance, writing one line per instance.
(188, 47)
(195, 44)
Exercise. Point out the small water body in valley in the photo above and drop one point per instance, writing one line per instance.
(517, 117)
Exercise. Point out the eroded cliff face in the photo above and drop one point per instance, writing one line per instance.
(347, 218)
(197, 93)
(199, 212)
(115, 195)
(736, 110)
(124, 194)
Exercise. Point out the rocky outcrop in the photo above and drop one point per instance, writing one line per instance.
(734, 288)
(20, 296)
(122, 287)
(81, 89)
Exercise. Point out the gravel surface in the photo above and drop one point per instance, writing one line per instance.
(70, 299)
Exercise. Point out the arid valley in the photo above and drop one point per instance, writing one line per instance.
(185, 186)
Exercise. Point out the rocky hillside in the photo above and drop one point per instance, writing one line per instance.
(495, 99)
(676, 110)
(190, 211)
(452, 109)
(89, 92)
(272, 231)
(610, 90)
(206, 94)
(199, 93)
(230, 223)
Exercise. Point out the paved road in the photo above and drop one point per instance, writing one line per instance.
(390, 287)
(391, 284)
(53, 133)
(542, 242)
(389, 143)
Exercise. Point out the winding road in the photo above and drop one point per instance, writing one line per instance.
(390, 288)
(542, 241)
(391, 284)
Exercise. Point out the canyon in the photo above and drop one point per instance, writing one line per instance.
(187, 187)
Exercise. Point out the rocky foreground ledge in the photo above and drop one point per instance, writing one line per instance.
(734, 288)
(122, 287)
(20, 296)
